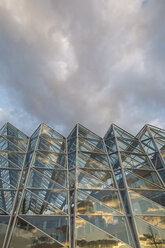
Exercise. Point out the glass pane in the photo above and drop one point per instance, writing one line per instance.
(150, 236)
(135, 181)
(107, 197)
(86, 181)
(58, 176)
(89, 236)
(37, 180)
(86, 161)
(88, 205)
(6, 199)
(135, 161)
(104, 175)
(114, 225)
(32, 204)
(87, 147)
(28, 236)
(54, 226)
(158, 221)
(101, 158)
(143, 205)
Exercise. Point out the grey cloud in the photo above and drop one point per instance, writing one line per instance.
(93, 62)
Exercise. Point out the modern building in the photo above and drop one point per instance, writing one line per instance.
(82, 191)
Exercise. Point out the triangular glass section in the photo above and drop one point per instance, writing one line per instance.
(34, 205)
(110, 133)
(142, 205)
(38, 180)
(54, 226)
(145, 135)
(104, 175)
(135, 181)
(114, 225)
(160, 142)
(47, 146)
(123, 146)
(158, 221)
(58, 199)
(119, 132)
(88, 205)
(41, 160)
(102, 158)
(148, 175)
(59, 176)
(14, 157)
(10, 130)
(73, 133)
(150, 236)
(157, 196)
(48, 131)
(86, 181)
(86, 133)
(114, 158)
(88, 235)
(97, 143)
(28, 235)
(57, 158)
(135, 161)
(86, 161)
(107, 197)
(84, 146)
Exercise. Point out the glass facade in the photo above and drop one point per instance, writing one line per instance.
(82, 191)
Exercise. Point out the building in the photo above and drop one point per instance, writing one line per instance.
(82, 191)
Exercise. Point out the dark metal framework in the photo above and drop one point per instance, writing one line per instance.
(82, 191)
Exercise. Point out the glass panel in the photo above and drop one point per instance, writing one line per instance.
(114, 225)
(158, 221)
(88, 205)
(86, 161)
(86, 181)
(54, 226)
(32, 204)
(135, 161)
(134, 181)
(87, 147)
(57, 158)
(3, 226)
(143, 205)
(157, 196)
(28, 236)
(84, 132)
(104, 175)
(47, 131)
(89, 236)
(150, 236)
(97, 143)
(37, 180)
(47, 146)
(57, 198)
(4, 163)
(148, 146)
(72, 144)
(102, 158)
(41, 160)
(58, 176)
(148, 175)
(107, 197)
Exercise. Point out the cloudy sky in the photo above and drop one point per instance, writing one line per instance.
(89, 61)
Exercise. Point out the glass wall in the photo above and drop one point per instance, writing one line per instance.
(82, 191)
